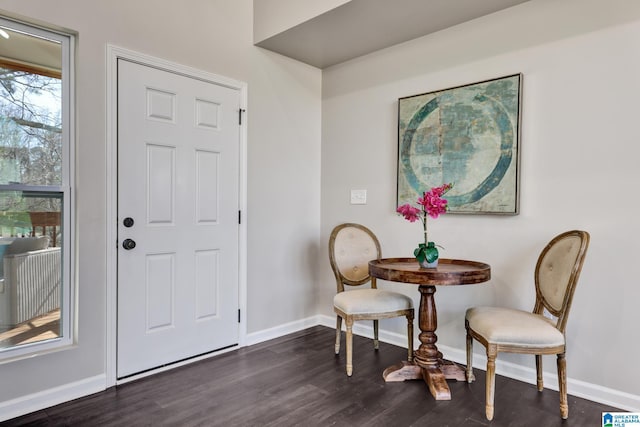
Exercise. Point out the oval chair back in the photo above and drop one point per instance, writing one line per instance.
(351, 247)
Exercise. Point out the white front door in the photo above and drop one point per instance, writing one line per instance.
(178, 199)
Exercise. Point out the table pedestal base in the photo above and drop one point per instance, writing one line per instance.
(435, 376)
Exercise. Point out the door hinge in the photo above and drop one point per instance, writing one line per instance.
(238, 315)
(240, 111)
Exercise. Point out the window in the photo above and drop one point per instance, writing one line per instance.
(35, 189)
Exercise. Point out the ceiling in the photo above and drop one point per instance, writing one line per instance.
(360, 27)
(31, 51)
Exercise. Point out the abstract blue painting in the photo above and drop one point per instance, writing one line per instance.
(467, 135)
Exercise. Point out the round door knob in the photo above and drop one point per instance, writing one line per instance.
(128, 222)
(128, 244)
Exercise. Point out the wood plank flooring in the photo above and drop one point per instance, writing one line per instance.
(296, 380)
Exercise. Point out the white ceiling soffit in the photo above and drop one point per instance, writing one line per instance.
(364, 26)
(31, 51)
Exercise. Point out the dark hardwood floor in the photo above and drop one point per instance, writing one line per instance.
(297, 381)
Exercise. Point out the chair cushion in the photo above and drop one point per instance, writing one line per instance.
(363, 301)
(513, 327)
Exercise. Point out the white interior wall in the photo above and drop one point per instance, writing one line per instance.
(578, 151)
(284, 194)
(283, 212)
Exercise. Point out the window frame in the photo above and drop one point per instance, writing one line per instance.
(66, 189)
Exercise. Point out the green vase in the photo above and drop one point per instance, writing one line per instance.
(427, 255)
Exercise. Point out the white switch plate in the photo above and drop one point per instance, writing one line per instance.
(358, 197)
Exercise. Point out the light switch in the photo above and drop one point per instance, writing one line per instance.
(358, 197)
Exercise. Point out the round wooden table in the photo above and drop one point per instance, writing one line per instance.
(427, 362)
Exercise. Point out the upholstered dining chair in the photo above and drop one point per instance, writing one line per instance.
(539, 332)
(351, 247)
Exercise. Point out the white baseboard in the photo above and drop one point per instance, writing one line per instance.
(51, 397)
(281, 330)
(593, 392)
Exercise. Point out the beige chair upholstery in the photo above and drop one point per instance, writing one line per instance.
(351, 247)
(516, 331)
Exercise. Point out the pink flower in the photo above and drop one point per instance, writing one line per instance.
(431, 204)
(439, 191)
(409, 212)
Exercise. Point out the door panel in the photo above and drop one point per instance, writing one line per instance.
(178, 178)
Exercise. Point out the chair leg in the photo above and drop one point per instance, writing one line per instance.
(376, 343)
(349, 342)
(540, 382)
(491, 381)
(410, 337)
(338, 331)
(469, 371)
(562, 386)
